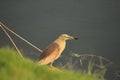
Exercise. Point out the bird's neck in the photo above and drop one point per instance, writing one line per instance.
(61, 43)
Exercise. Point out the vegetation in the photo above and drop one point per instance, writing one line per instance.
(13, 67)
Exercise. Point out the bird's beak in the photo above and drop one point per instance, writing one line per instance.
(73, 38)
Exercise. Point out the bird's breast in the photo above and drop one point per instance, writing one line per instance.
(61, 48)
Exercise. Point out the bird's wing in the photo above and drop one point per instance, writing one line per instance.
(51, 49)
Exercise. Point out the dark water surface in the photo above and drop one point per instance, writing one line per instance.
(95, 22)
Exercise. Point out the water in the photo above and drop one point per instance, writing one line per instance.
(95, 23)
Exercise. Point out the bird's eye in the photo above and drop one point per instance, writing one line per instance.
(64, 36)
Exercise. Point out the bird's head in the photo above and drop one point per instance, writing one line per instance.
(67, 37)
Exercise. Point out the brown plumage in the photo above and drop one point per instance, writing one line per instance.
(54, 50)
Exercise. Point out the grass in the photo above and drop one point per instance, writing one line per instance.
(13, 67)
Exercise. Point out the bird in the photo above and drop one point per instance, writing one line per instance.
(53, 51)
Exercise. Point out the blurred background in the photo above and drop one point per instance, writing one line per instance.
(95, 22)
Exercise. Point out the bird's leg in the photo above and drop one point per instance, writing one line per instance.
(51, 65)
(53, 68)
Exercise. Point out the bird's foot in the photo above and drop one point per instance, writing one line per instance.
(54, 68)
